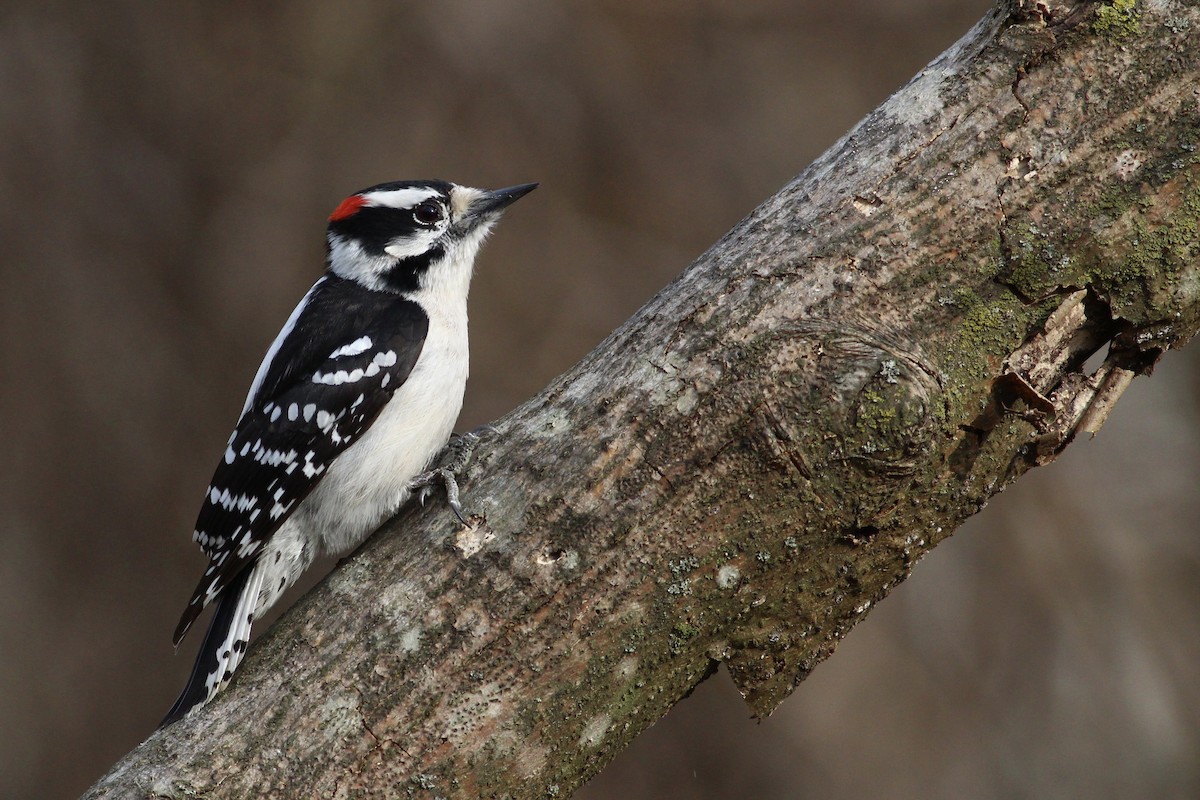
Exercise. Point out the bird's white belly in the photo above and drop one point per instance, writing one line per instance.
(369, 481)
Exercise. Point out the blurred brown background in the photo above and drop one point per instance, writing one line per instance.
(165, 173)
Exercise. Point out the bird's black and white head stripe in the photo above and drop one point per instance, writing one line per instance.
(389, 236)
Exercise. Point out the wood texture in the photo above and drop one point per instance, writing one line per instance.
(744, 468)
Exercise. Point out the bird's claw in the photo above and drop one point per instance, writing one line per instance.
(460, 449)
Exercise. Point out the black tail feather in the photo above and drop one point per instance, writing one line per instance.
(196, 690)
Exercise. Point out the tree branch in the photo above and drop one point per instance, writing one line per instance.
(744, 468)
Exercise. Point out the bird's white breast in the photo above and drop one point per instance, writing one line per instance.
(367, 482)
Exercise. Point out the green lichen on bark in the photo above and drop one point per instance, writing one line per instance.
(1158, 245)
(1118, 19)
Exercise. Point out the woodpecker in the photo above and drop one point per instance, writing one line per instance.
(357, 394)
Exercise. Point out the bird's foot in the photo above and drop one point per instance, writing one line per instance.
(455, 458)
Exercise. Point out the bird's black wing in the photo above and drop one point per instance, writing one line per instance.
(318, 391)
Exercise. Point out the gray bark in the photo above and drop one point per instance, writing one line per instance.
(763, 452)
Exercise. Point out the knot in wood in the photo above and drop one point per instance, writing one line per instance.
(883, 401)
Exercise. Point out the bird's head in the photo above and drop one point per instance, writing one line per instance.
(409, 236)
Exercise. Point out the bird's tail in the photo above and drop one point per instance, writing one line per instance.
(224, 643)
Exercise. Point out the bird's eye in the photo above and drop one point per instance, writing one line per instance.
(427, 213)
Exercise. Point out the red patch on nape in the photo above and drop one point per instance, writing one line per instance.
(348, 208)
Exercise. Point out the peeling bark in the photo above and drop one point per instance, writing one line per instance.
(763, 452)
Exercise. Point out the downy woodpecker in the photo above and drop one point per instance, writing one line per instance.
(357, 394)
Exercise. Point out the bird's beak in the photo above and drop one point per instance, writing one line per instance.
(488, 205)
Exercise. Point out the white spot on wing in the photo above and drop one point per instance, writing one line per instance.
(228, 501)
(337, 378)
(359, 345)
